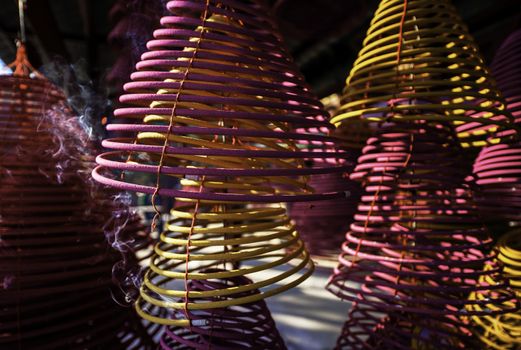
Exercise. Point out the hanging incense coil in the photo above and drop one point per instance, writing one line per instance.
(248, 326)
(421, 49)
(416, 248)
(503, 331)
(217, 103)
(55, 264)
(237, 86)
(497, 169)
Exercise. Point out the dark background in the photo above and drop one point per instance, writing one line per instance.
(324, 36)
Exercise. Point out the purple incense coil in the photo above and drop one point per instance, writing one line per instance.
(248, 326)
(217, 103)
(422, 49)
(322, 224)
(497, 168)
(55, 263)
(416, 246)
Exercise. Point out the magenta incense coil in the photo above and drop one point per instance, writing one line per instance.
(248, 326)
(416, 248)
(217, 103)
(55, 263)
(229, 78)
(497, 168)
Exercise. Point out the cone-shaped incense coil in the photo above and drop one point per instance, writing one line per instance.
(217, 96)
(248, 326)
(416, 249)
(55, 263)
(498, 167)
(503, 331)
(217, 103)
(421, 49)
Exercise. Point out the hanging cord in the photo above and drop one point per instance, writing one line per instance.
(172, 115)
(21, 65)
(21, 16)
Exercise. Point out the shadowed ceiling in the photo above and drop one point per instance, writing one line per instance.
(324, 36)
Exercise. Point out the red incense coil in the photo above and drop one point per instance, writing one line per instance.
(416, 249)
(55, 264)
(248, 326)
(497, 168)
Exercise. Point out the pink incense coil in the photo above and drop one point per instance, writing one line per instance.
(497, 169)
(214, 75)
(249, 326)
(55, 264)
(416, 246)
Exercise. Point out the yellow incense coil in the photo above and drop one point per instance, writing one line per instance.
(419, 52)
(503, 331)
(258, 242)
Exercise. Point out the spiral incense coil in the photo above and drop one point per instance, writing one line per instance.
(55, 264)
(416, 247)
(260, 239)
(248, 326)
(503, 331)
(421, 49)
(55, 269)
(227, 105)
(497, 169)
